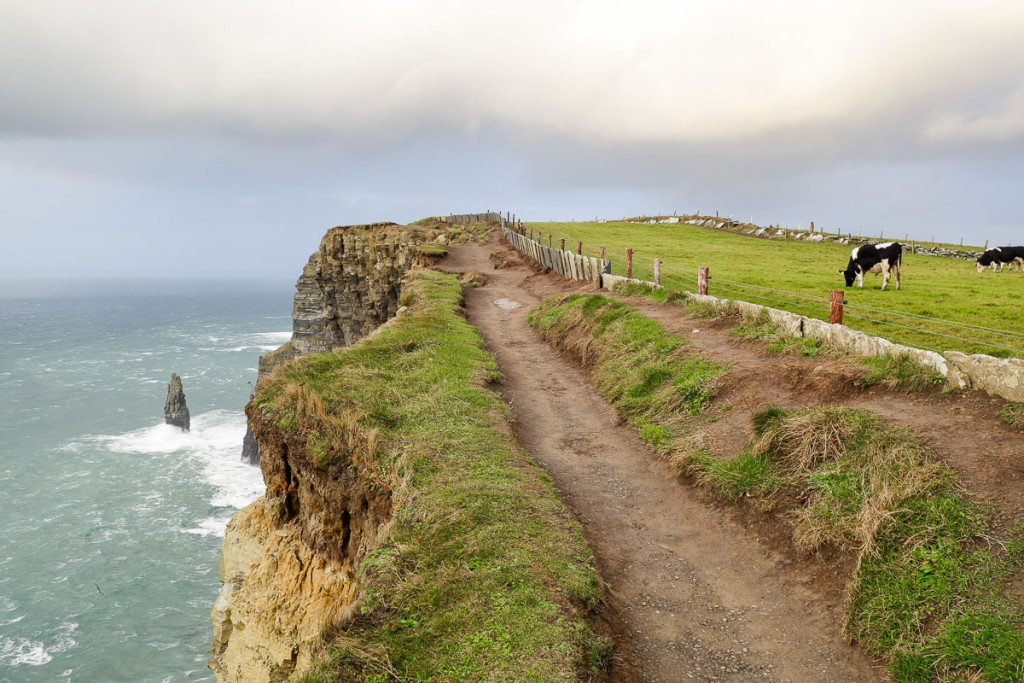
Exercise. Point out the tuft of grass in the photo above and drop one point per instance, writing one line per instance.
(482, 574)
(657, 294)
(899, 371)
(744, 475)
(432, 249)
(705, 310)
(653, 379)
(1013, 414)
(763, 329)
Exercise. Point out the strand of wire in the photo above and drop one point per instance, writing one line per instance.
(951, 323)
(937, 334)
(818, 299)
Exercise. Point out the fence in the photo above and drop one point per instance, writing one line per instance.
(1003, 377)
(489, 216)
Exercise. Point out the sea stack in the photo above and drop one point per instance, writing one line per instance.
(250, 449)
(175, 410)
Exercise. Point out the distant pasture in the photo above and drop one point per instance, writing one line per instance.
(944, 304)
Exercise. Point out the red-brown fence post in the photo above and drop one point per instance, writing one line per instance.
(657, 272)
(531, 234)
(549, 241)
(579, 248)
(835, 306)
(602, 255)
(629, 263)
(702, 280)
(563, 244)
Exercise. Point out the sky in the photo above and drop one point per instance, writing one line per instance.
(220, 139)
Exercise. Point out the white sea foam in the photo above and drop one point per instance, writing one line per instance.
(214, 444)
(23, 652)
(26, 652)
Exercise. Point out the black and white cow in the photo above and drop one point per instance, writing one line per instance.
(1000, 256)
(874, 258)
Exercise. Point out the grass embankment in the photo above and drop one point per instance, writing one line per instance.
(654, 379)
(930, 590)
(484, 575)
(783, 274)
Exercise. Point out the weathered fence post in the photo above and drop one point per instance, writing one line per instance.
(629, 263)
(579, 248)
(835, 306)
(702, 280)
(657, 272)
(563, 244)
(531, 234)
(986, 245)
(812, 227)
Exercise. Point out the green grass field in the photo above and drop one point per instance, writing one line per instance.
(982, 313)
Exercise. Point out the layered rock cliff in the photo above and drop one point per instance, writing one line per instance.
(288, 559)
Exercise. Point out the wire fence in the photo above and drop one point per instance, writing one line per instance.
(911, 329)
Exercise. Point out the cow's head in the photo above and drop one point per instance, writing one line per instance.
(981, 267)
(850, 274)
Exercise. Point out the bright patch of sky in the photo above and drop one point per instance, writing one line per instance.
(221, 137)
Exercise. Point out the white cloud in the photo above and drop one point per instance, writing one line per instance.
(1004, 123)
(604, 71)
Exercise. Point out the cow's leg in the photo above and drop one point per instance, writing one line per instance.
(860, 277)
(885, 275)
(896, 266)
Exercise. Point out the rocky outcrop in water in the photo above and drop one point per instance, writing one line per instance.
(250, 449)
(175, 410)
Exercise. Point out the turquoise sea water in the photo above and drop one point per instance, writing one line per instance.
(111, 521)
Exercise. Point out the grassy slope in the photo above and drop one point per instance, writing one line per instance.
(930, 588)
(937, 287)
(484, 575)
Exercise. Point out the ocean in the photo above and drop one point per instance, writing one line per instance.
(111, 521)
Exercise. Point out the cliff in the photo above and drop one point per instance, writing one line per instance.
(288, 559)
(403, 529)
(348, 288)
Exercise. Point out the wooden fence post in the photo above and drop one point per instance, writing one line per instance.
(835, 306)
(531, 234)
(579, 248)
(657, 272)
(702, 280)
(629, 263)
(563, 244)
(549, 241)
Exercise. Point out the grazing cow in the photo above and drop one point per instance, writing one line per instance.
(874, 258)
(1000, 256)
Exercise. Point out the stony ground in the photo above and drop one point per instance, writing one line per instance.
(699, 591)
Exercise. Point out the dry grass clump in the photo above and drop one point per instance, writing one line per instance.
(473, 279)
(809, 439)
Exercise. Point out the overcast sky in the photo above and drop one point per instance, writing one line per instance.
(215, 138)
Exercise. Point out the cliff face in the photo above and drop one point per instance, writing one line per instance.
(350, 285)
(288, 560)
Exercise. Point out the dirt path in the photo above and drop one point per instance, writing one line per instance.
(695, 595)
